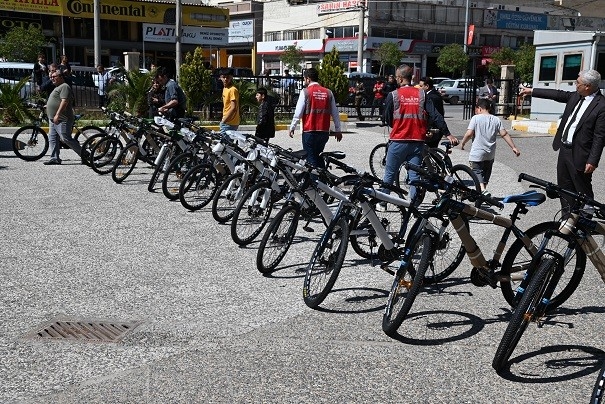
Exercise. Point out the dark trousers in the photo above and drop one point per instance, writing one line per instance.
(570, 178)
(314, 144)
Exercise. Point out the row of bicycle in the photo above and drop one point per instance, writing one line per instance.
(246, 180)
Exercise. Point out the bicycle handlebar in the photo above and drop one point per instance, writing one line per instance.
(444, 184)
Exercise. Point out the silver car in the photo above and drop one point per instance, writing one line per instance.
(456, 90)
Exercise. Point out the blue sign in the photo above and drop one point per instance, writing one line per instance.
(521, 21)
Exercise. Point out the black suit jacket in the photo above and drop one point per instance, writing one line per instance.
(589, 137)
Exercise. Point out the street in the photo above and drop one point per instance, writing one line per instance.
(208, 327)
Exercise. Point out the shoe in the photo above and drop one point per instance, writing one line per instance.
(52, 162)
(85, 158)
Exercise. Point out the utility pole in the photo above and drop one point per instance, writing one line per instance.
(465, 26)
(179, 30)
(97, 32)
(360, 38)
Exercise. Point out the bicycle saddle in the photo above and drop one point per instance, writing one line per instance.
(531, 198)
(338, 155)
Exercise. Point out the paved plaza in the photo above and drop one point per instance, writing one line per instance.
(209, 328)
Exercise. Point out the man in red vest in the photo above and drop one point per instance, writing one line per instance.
(314, 107)
(407, 111)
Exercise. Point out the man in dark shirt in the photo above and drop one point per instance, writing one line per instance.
(265, 122)
(432, 94)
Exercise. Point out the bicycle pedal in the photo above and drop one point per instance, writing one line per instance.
(482, 277)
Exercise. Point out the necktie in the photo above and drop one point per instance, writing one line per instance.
(571, 120)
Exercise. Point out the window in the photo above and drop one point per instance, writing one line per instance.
(572, 64)
(548, 68)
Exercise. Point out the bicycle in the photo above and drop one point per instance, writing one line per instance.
(30, 142)
(422, 241)
(573, 238)
(434, 159)
(598, 391)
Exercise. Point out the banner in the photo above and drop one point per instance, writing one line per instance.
(471, 33)
(124, 10)
(189, 35)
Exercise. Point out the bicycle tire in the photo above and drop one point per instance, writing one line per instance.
(363, 237)
(464, 175)
(198, 187)
(326, 262)
(598, 391)
(176, 172)
(85, 133)
(378, 157)
(524, 313)
(104, 154)
(447, 255)
(30, 143)
(227, 197)
(250, 217)
(125, 162)
(88, 145)
(517, 259)
(408, 282)
(277, 239)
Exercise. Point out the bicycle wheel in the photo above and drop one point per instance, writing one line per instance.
(378, 160)
(363, 237)
(525, 312)
(227, 197)
(252, 213)
(326, 262)
(464, 175)
(407, 283)
(598, 392)
(89, 144)
(30, 143)
(125, 162)
(103, 154)
(277, 238)
(175, 173)
(87, 132)
(198, 187)
(447, 255)
(517, 260)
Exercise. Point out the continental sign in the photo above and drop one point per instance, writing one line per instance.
(124, 10)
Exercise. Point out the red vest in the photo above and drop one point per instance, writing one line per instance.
(409, 116)
(317, 109)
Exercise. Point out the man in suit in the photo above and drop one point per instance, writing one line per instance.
(432, 94)
(489, 91)
(580, 137)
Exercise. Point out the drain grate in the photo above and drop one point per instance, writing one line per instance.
(83, 330)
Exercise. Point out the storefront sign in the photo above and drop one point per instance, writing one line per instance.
(342, 44)
(503, 19)
(7, 23)
(277, 47)
(339, 6)
(124, 10)
(241, 31)
(189, 35)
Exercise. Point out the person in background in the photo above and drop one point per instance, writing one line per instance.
(174, 97)
(484, 129)
(265, 122)
(41, 71)
(390, 86)
(231, 118)
(378, 101)
(580, 136)
(432, 94)
(314, 108)
(489, 91)
(47, 87)
(288, 84)
(104, 80)
(155, 98)
(60, 111)
(359, 90)
(65, 69)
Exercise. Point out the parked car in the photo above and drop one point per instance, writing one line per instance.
(115, 73)
(456, 90)
(437, 80)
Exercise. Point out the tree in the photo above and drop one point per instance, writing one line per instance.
(22, 44)
(503, 56)
(452, 59)
(332, 76)
(526, 55)
(292, 57)
(388, 54)
(195, 79)
(130, 94)
(14, 111)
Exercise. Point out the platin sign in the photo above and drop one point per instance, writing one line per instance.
(189, 35)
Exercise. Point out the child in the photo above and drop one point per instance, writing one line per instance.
(484, 128)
